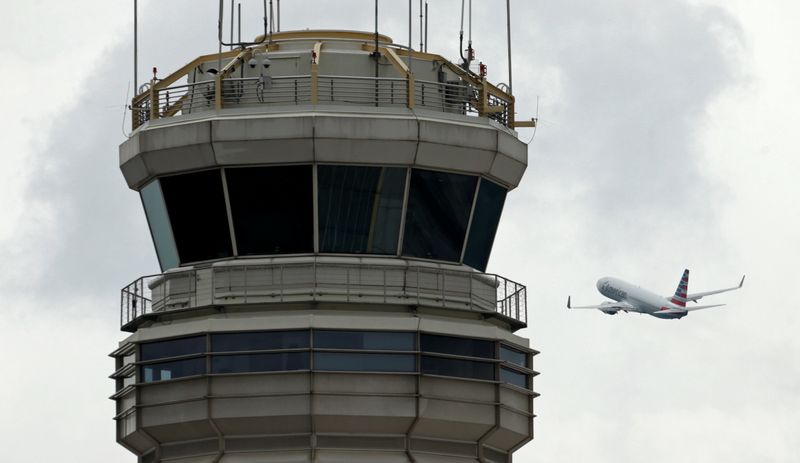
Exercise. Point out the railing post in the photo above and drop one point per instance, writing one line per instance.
(314, 83)
(218, 91)
(153, 100)
(411, 88)
(484, 98)
(496, 290)
(506, 295)
(315, 57)
(510, 116)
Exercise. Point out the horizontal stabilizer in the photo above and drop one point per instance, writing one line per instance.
(699, 307)
(697, 296)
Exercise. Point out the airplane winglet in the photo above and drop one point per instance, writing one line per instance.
(569, 300)
(742, 282)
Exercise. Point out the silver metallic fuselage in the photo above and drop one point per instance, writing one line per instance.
(640, 300)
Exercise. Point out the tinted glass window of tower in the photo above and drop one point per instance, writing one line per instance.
(335, 350)
(439, 205)
(286, 361)
(372, 340)
(272, 209)
(513, 356)
(264, 340)
(158, 220)
(457, 346)
(172, 348)
(488, 208)
(452, 345)
(360, 208)
(171, 370)
(333, 361)
(199, 218)
(457, 367)
(516, 378)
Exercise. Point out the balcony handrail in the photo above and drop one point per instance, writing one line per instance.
(489, 101)
(322, 281)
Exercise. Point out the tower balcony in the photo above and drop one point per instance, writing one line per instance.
(278, 282)
(322, 68)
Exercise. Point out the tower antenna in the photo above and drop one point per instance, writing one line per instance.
(421, 28)
(266, 36)
(426, 27)
(135, 46)
(461, 36)
(470, 53)
(508, 31)
(409, 34)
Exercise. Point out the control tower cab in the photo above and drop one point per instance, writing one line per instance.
(323, 214)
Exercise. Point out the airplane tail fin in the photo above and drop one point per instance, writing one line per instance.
(680, 294)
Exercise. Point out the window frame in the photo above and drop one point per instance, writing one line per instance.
(315, 220)
(417, 354)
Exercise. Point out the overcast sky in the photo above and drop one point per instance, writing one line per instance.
(668, 140)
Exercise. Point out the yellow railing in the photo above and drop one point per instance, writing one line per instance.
(474, 95)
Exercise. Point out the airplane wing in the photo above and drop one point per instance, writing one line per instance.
(697, 296)
(605, 306)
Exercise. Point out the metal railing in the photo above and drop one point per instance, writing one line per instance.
(455, 98)
(448, 97)
(135, 300)
(324, 282)
(466, 94)
(187, 98)
(285, 90)
(501, 116)
(365, 91)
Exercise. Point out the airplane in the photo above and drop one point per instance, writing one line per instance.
(631, 298)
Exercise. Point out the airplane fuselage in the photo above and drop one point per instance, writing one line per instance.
(640, 300)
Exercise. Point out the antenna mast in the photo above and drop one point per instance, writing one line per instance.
(508, 29)
(232, 11)
(409, 35)
(421, 29)
(135, 47)
(426, 27)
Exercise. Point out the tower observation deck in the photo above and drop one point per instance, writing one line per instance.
(323, 214)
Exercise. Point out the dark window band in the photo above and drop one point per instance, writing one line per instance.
(333, 350)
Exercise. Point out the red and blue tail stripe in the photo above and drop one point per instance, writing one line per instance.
(680, 293)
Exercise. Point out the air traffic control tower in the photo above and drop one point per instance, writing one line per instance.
(323, 213)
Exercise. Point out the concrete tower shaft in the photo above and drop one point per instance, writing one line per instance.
(323, 216)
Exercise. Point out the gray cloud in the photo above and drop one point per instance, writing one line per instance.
(634, 82)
